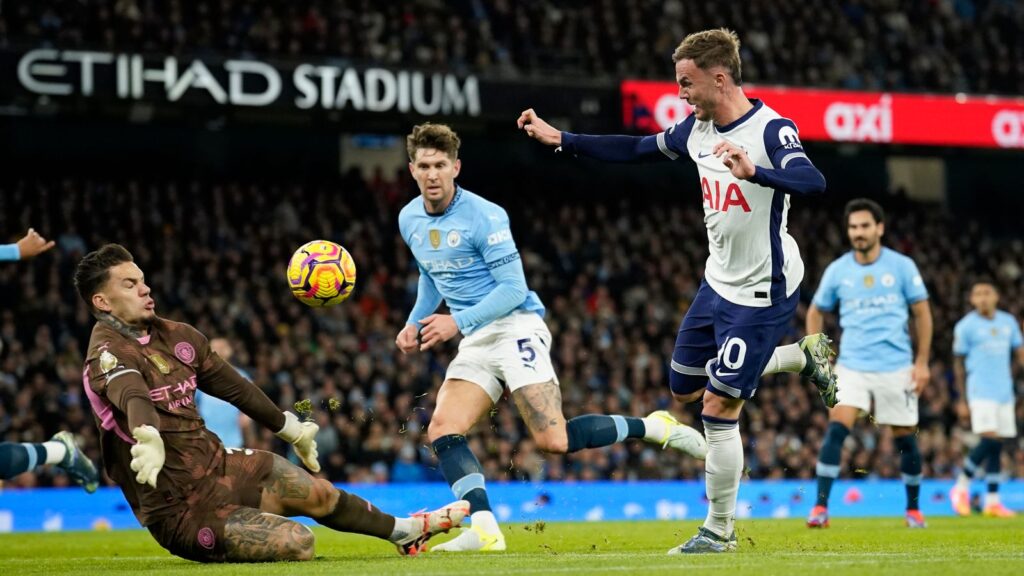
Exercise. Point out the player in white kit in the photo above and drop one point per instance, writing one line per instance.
(750, 160)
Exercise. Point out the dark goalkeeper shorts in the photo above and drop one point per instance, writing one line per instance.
(196, 532)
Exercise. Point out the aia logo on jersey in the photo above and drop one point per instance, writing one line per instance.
(716, 200)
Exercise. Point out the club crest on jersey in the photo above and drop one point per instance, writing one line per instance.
(185, 352)
(888, 280)
(869, 281)
(453, 238)
(161, 364)
(995, 331)
(435, 239)
(107, 361)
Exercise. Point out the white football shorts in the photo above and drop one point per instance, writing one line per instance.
(514, 351)
(990, 416)
(895, 402)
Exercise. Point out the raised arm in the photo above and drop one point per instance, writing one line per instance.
(609, 148)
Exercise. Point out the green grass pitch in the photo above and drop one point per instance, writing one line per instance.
(875, 546)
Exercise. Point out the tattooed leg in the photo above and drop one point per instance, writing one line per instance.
(291, 491)
(541, 408)
(254, 536)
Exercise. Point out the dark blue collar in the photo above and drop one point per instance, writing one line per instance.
(757, 106)
(451, 205)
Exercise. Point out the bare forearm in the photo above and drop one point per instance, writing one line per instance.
(815, 321)
(960, 378)
(923, 330)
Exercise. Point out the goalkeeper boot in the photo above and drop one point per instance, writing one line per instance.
(76, 463)
(433, 523)
(818, 517)
(818, 353)
(679, 436)
(706, 542)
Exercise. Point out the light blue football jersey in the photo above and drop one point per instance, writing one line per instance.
(873, 304)
(458, 249)
(988, 344)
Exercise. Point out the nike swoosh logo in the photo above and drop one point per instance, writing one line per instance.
(699, 155)
(725, 374)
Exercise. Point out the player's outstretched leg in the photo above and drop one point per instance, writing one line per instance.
(60, 450)
(541, 408)
(905, 440)
(78, 466)
(811, 358)
(291, 491)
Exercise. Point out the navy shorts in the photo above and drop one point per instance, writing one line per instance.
(726, 346)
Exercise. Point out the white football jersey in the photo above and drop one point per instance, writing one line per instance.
(753, 261)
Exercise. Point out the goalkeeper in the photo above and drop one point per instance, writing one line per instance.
(199, 500)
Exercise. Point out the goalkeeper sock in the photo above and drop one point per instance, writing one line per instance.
(723, 468)
(910, 466)
(828, 460)
(353, 514)
(463, 471)
(596, 430)
(18, 458)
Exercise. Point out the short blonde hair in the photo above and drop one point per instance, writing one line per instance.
(436, 136)
(710, 48)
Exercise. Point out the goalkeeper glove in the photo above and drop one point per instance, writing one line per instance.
(147, 455)
(301, 435)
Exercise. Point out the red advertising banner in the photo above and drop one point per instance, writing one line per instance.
(844, 116)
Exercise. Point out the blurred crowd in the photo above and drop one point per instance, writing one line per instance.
(616, 275)
(915, 45)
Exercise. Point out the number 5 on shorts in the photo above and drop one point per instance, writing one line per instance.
(528, 353)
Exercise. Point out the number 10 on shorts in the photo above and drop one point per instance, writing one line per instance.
(732, 353)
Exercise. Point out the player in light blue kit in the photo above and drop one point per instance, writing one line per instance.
(873, 287)
(463, 246)
(983, 343)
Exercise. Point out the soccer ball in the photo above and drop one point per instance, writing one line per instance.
(321, 273)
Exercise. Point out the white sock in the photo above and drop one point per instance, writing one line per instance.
(788, 358)
(655, 429)
(991, 498)
(55, 452)
(963, 481)
(404, 527)
(485, 520)
(723, 468)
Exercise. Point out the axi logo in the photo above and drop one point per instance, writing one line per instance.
(858, 122)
